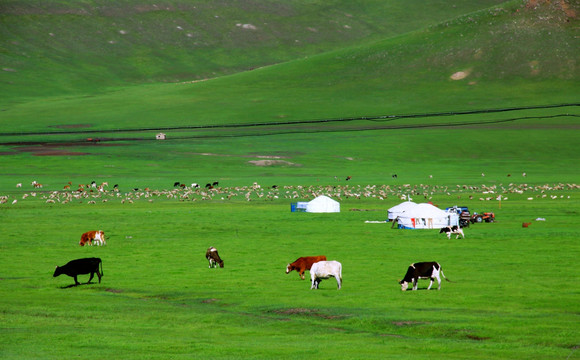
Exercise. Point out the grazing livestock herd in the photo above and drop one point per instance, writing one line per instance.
(93, 193)
(318, 266)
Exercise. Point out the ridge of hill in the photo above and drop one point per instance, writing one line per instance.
(65, 47)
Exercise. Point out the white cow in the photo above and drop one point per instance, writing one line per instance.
(325, 270)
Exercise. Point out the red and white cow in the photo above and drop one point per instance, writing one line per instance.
(90, 237)
(304, 263)
(422, 270)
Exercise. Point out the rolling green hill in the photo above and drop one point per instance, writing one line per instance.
(67, 47)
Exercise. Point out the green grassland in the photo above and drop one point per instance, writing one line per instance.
(459, 100)
(512, 295)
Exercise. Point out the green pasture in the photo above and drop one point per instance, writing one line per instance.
(513, 293)
(319, 91)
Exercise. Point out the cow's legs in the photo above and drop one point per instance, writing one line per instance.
(430, 284)
(301, 274)
(414, 284)
(438, 282)
(338, 282)
(99, 276)
(76, 281)
(91, 278)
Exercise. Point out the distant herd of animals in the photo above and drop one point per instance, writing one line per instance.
(92, 192)
(318, 266)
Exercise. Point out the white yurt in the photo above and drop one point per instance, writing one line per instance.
(427, 216)
(398, 210)
(323, 204)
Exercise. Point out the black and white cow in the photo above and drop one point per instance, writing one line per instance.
(456, 230)
(325, 270)
(81, 266)
(422, 270)
(213, 257)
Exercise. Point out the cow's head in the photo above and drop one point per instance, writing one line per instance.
(404, 285)
(289, 268)
(221, 262)
(57, 271)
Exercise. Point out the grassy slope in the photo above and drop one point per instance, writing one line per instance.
(513, 57)
(55, 47)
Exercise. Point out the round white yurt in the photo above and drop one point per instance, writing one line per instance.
(323, 204)
(398, 210)
(427, 216)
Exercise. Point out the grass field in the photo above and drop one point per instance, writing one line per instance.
(458, 100)
(513, 293)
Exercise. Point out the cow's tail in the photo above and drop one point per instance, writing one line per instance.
(101, 265)
(442, 274)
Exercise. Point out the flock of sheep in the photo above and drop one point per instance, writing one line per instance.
(93, 193)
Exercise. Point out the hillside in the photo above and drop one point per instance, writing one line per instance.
(67, 47)
(515, 55)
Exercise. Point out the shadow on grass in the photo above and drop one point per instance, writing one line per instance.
(75, 285)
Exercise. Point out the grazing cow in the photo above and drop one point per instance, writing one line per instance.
(215, 183)
(348, 178)
(394, 176)
(304, 263)
(422, 270)
(213, 257)
(98, 237)
(325, 270)
(456, 230)
(526, 224)
(81, 266)
(176, 184)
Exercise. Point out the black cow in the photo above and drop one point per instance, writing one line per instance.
(422, 270)
(176, 184)
(213, 257)
(81, 266)
(448, 230)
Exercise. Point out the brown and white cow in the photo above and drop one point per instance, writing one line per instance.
(213, 257)
(97, 237)
(304, 263)
(422, 270)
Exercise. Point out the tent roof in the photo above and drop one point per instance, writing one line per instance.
(323, 204)
(404, 206)
(424, 210)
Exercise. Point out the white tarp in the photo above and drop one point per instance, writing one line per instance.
(398, 210)
(323, 204)
(427, 216)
